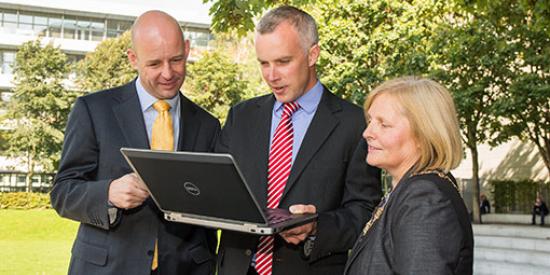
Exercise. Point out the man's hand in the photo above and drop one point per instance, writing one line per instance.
(127, 192)
(298, 234)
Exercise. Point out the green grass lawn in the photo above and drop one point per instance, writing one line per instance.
(35, 242)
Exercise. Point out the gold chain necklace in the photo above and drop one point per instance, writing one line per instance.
(380, 208)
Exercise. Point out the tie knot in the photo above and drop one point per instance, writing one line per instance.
(290, 107)
(161, 106)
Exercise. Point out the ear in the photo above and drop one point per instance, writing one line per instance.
(186, 48)
(313, 55)
(132, 57)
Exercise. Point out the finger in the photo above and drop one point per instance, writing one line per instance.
(289, 239)
(134, 202)
(141, 193)
(293, 240)
(141, 185)
(301, 237)
(135, 194)
(138, 198)
(293, 231)
(302, 209)
(297, 209)
(137, 182)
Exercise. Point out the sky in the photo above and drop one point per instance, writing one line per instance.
(183, 10)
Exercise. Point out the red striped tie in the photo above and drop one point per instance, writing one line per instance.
(278, 170)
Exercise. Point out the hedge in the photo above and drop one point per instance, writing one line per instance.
(517, 197)
(24, 200)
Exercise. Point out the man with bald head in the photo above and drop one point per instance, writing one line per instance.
(121, 230)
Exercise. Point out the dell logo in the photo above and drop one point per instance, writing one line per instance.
(191, 189)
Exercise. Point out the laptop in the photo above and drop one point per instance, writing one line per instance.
(207, 189)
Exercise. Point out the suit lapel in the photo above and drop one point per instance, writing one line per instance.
(189, 125)
(323, 123)
(127, 110)
(261, 129)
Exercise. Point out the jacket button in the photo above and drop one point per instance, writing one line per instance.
(248, 252)
(150, 252)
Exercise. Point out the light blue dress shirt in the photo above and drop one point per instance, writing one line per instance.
(146, 101)
(300, 121)
(301, 118)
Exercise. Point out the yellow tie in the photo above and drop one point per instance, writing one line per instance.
(162, 138)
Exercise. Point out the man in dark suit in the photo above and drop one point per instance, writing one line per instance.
(298, 149)
(121, 230)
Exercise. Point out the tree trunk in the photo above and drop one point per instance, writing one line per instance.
(30, 172)
(475, 184)
(545, 153)
(544, 148)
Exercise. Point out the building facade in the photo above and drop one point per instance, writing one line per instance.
(77, 27)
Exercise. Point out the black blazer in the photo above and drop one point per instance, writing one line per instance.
(424, 229)
(329, 172)
(99, 125)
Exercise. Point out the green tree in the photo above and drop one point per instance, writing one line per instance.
(38, 109)
(216, 83)
(471, 60)
(107, 66)
(526, 108)
(365, 42)
(238, 15)
(512, 13)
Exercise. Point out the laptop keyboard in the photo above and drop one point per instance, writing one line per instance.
(277, 215)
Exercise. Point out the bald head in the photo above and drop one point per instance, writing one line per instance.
(152, 24)
(159, 53)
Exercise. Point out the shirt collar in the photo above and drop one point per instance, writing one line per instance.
(308, 101)
(147, 100)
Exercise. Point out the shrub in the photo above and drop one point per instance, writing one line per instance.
(517, 196)
(24, 200)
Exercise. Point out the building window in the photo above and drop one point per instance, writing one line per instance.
(60, 26)
(69, 27)
(115, 28)
(7, 59)
(79, 27)
(97, 30)
(55, 25)
(9, 21)
(74, 58)
(199, 38)
(5, 95)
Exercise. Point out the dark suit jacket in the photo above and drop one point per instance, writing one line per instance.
(424, 229)
(99, 125)
(329, 172)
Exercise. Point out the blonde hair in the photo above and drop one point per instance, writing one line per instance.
(432, 116)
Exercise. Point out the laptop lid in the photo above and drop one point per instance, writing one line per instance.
(201, 185)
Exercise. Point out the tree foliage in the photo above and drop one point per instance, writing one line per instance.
(512, 13)
(38, 109)
(107, 66)
(365, 42)
(492, 55)
(216, 83)
(526, 106)
(471, 59)
(238, 15)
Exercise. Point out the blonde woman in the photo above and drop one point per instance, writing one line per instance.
(422, 226)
